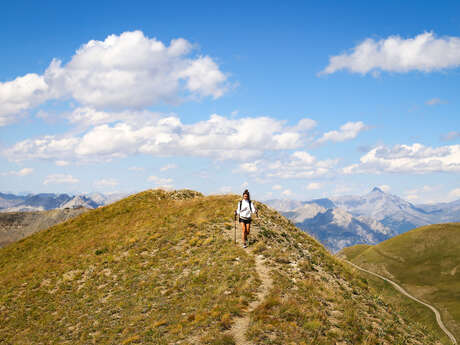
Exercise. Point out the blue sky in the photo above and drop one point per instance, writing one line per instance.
(295, 100)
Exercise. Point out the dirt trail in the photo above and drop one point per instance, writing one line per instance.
(241, 324)
(404, 292)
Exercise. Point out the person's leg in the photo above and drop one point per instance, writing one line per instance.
(243, 231)
(248, 230)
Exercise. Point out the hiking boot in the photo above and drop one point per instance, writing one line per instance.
(245, 245)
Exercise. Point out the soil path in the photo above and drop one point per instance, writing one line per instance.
(404, 292)
(239, 328)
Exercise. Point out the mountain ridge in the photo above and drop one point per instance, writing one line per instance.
(161, 267)
(49, 201)
(384, 215)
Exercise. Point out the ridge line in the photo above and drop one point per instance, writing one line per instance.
(240, 326)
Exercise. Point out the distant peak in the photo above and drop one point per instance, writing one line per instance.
(377, 189)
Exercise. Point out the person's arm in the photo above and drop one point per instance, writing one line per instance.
(254, 210)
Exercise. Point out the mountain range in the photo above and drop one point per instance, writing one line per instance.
(50, 201)
(370, 218)
(337, 222)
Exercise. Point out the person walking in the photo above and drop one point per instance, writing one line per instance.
(244, 211)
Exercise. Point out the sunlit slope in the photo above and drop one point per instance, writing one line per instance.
(161, 268)
(426, 261)
(353, 251)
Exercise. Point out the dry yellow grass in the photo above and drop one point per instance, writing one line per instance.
(161, 268)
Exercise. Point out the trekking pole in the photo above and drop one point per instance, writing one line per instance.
(234, 232)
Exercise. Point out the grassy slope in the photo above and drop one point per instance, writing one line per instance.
(160, 268)
(147, 269)
(353, 251)
(426, 261)
(410, 309)
(316, 300)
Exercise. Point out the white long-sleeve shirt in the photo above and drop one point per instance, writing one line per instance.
(245, 209)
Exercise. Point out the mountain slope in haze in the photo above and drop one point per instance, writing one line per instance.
(9, 200)
(425, 261)
(390, 210)
(17, 225)
(445, 212)
(80, 201)
(373, 217)
(51, 201)
(336, 229)
(161, 267)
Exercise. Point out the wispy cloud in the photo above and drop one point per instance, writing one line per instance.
(161, 182)
(450, 136)
(435, 101)
(134, 168)
(60, 179)
(455, 193)
(313, 186)
(22, 172)
(106, 183)
(349, 130)
(287, 193)
(168, 167)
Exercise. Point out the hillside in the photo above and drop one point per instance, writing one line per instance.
(17, 225)
(425, 261)
(161, 268)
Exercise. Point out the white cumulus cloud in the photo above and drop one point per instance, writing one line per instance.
(123, 71)
(415, 158)
(19, 95)
(298, 165)
(218, 137)
(424, 52)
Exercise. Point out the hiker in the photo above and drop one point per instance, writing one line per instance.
(244, 210)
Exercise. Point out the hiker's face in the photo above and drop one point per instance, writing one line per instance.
(245, 196)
